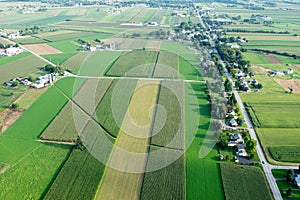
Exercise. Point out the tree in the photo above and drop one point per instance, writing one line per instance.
(60, 70)
(251, 145)
(289, 192)
(228, 85)
(290, 175)
(15, 105)
(223, 141)
(49, 68)
(259, 86)
(15, 83)
(31, 78)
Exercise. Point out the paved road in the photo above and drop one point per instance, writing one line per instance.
(37, 55)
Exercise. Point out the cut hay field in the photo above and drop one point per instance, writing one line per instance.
(76, 61)
(235, 176)
(135, 141)
(134, 63)
(122, 91)
(42, 49)
(20, 67)
(78, 178)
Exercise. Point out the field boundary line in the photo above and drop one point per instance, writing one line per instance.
(90, 117)
(155, 64)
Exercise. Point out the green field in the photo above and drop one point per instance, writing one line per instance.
(78, 179)
(63, 127)
(104, 114)
(266, 114)
(203, 179)
(20, 67)
(167, 65)
(34, 172)
(279, 136)
(165, 183)
(25, 131)
(94, 90)
(236, 181)
(135, 63)
(171, 133)
(9, 95)
(70, 85)
(285, 153)
(255, 58)
(96, 63)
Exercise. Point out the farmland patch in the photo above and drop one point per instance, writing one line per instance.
(285, 153)
(134, 63)
(289, 84)
(272, 59)
(126, 172)
(235, 176)
(42, 49)
(79, 177)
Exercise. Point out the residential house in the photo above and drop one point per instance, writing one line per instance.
(233, 123)
(43, 81)
(235, 140)
(11, 34)
(241, 151)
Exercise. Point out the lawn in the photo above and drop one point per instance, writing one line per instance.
(135, 63)
(20, 67)
(236, 176)
(171, 132)
(34, 172)
(78, 178)
(19, 139)
(125, 171)
(113, 107)
(279, 173)
(285, 153)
